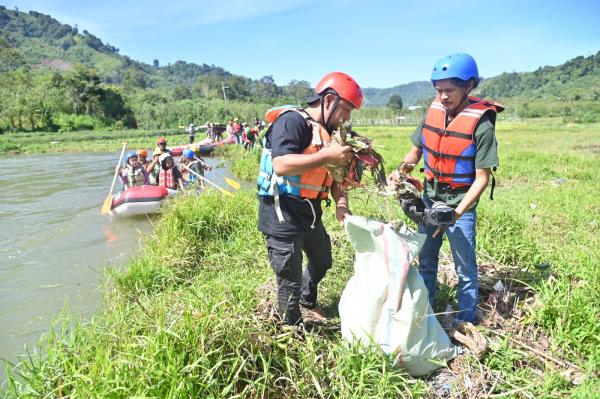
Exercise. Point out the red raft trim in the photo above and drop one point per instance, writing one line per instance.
(140, 194)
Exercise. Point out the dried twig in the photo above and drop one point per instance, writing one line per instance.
(537, 352)
(518, 390)
(136, 300)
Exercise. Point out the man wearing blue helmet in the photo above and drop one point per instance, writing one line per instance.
(458, 144)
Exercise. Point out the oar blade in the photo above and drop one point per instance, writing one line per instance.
(107, 205)
(233, 183)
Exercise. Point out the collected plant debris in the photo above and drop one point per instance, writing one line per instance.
(365, 157)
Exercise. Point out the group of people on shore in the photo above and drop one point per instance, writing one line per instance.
(161, 170)
(243, 133)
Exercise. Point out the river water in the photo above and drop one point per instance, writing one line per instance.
(54, 243)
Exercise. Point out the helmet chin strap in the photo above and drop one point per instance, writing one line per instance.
(335, 105)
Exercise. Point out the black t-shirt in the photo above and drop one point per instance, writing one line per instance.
(290, 134)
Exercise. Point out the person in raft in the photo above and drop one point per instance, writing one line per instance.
(292, 183)
(161, 145)
(194, 163)
(457, 141)
(153, 167)
(169, 175)
(133, 173)
(143, 158)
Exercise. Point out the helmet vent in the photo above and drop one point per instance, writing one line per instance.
(444, 69)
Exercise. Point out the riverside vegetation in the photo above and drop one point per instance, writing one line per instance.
(184, 318)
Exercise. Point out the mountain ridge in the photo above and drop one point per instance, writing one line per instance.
(47, 43)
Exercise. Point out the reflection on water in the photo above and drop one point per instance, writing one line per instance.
(54, 243)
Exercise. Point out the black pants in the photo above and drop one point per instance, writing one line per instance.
(293, 286)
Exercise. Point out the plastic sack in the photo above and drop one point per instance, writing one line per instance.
(386, 302)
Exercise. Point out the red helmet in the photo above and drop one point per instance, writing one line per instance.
(344, 85)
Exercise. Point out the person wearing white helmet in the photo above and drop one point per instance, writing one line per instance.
(191, 130)
(169, 176)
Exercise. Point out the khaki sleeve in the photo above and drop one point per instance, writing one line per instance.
(416, 136)
(487, 145)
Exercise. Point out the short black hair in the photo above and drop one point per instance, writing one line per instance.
(463, 83)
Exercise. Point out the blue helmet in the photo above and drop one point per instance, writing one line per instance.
(189, 153)
(459, 65)
(130, 154)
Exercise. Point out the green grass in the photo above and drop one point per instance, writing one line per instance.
(181, 322)
(85, 141)
(181, 319)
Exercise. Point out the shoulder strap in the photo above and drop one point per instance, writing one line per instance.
(299, 111)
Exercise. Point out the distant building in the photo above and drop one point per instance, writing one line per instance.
(415, 107)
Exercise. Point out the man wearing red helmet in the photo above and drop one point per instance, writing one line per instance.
(293, 181)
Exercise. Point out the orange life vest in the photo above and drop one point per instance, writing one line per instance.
(312, 184)
(449, 151)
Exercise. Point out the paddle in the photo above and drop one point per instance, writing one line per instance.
(108, 201)
(234, 184)
(208, 181)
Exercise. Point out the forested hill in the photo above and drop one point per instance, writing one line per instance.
(54, 77)
(576, 79)
(411, 93)
(43, 41)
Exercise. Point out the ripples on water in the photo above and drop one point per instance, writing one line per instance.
(53, 241)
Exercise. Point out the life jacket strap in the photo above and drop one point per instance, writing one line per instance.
(437, 173)
(448, 156)
(265, 175)
(275, 190)
(444, 132)
(312, 208)
(321, 189)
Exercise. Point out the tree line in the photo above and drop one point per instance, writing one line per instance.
(41, 99)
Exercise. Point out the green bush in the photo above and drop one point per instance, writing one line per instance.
(70, 123)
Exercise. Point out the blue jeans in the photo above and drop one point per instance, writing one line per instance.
(238, 139)
(462, 244)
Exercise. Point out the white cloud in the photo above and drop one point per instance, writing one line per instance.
(183, 14)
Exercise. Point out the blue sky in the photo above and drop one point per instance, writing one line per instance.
(380, 43)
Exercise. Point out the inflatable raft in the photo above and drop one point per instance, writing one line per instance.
(140, 200)
(203, 149)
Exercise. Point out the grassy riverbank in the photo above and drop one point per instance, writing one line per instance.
(187, 317)
(85, 141)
